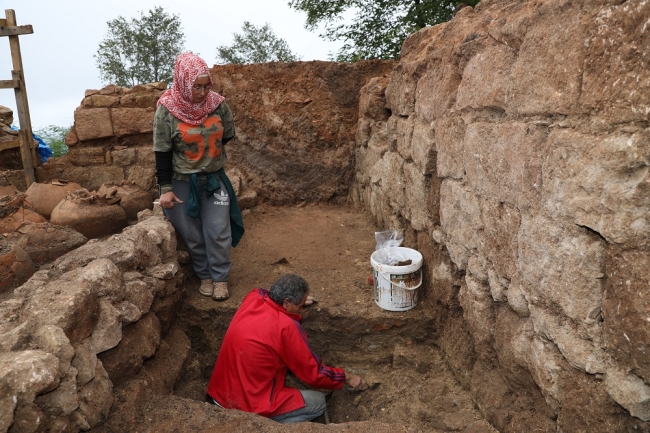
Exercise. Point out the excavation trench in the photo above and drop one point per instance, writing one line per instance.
(394, 352)
(411, 387)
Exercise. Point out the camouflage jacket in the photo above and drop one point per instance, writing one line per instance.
(195, 149)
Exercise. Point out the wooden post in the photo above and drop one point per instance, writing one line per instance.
(9, 28)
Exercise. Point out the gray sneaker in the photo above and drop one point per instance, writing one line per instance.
(220, 292)
(206, 288)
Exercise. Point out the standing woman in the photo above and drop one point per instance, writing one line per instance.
(191, 126)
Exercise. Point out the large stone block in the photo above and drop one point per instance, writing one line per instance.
(91, 123)
(15, 330)
(99, 101)
(450, 147)
(85, 362)
(85, 156)
(616, 78)
(7, 407)
(403, 131)
(387, 183)
(478, 311)
(161, 232)
(146, 157)
(416, 186)
(95, 400)
(486, 79)
(543, 361)
(600, 182)
(139, 293)
(498, 241)
(423, 147)
(547, 75)
(68, 302)
(108, 332)
(626, 310)
(630, 392)
(460, 220)
(372, 99)
(124, 157)
(53, 340)
(141, 101)
(504, 162)
(436, 91)
(580, 351)
(144, 177)
(63, 400)
(563, 268)
(139, 342)
(141, 245)
(129, 121)
(26, 374)
(89, 177)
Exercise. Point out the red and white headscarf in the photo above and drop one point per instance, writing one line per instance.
(178, 99)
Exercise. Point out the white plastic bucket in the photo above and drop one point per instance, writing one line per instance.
(396, 287)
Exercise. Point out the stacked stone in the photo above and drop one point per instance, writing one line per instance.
(113, 129)
(86, 323)
(511, 144)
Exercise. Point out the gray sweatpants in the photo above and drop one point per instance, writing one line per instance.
(208, 236)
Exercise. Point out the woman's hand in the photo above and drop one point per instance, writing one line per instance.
(168, 199)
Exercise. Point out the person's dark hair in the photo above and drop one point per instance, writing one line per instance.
(290, 287)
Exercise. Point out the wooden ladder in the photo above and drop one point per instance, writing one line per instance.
(9, 28)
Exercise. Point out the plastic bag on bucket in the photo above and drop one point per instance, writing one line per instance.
(390, 239)
(387, 239)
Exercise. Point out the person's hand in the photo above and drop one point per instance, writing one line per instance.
(168, 199)
(353, 381)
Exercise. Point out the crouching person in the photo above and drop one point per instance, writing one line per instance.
(264, 341)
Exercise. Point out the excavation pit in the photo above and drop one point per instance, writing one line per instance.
(411, 387)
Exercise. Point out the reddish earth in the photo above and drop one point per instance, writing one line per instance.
(330, 246)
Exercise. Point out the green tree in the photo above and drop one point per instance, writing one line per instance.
(140, 50)
(255, 45)
(379, 26)
(54, 136)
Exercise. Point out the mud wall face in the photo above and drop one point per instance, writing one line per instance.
(512, 144)
(295, 126)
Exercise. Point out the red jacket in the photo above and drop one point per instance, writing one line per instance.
(263, 341)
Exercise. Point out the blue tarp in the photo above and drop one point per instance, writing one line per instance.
(43, 150)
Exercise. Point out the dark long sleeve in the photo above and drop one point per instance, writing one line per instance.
(164, 169)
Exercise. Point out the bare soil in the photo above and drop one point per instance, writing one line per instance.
(330, 246)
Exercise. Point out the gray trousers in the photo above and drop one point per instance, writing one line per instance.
(315, 406)
(208, 236)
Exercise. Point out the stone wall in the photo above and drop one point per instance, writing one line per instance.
(85, 322)
(512, 145)
(111, 139)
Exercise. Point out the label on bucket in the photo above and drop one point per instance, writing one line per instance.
(393, 295)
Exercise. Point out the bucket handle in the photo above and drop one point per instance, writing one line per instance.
(379, 270)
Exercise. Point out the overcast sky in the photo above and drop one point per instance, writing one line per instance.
(58, 57)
